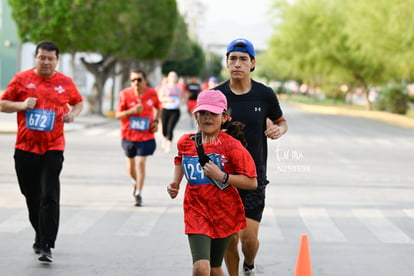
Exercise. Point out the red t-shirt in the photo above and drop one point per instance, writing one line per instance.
(207, 209)
(137, 127)
(43, 129)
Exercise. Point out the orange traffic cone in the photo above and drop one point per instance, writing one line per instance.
(303, 263)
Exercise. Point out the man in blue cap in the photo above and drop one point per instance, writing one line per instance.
(255, 105)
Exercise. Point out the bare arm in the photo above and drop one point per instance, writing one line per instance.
(275, 129)
(120, 115)
(154, 126)
(10, 106)
(239, 180)
(75, 111)
(174, 186)
(157, 114)
(242, 181)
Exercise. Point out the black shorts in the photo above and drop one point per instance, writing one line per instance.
(254, 202)
(133, 149)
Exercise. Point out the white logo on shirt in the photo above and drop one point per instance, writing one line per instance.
(257, 109)
(60, 89)
(31, 85)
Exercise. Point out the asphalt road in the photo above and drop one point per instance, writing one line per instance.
(346, 182)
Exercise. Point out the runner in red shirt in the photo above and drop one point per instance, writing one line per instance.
(139, 122)
(41, 97)
(213, 210)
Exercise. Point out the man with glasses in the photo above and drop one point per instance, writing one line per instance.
(44, 100)
(257, 107)
(139, 112)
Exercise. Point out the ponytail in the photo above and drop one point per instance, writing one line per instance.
(235, 129)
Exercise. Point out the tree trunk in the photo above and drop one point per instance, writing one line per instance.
(364, 88)
(101, 70)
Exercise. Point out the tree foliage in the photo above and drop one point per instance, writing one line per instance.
(182, 45)
(73, 25)
(130, 30)
(362, 43)
(191, 66)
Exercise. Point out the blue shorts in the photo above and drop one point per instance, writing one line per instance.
(133, 149)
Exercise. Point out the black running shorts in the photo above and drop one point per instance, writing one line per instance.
(254, 202)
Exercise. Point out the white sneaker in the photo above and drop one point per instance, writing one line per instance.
(249, 272)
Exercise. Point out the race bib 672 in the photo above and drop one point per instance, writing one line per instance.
(40, 119)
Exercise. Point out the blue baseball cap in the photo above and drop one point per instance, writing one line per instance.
(241, 45)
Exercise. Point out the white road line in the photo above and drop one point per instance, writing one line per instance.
(269, 228)
(95, 132)
(116, 133)
(409, 212)
(102, 132)
(320, 225)
(350, 164)
(140, 223)
(403, 142)
(15, 223)
(361, 141)
(383, 141)
(81, 221)
(380, 226)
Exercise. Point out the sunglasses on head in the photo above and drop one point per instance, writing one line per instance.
(136, 79)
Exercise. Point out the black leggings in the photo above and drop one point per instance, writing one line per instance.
(38, 177)
(169, 119)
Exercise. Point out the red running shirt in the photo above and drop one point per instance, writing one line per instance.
(207, 209)
(53, 94)
(138, 130)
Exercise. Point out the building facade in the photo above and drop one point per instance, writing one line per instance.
(9, 45)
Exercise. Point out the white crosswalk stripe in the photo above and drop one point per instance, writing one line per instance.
(269, 229)
(81, 221)
(15, 223)
(409, 212)
(94, 132)
(141, 223)
(321, 225)
(100, 131)
(80, 216)
(381, 227)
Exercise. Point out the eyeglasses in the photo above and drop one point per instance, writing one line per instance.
(137, 79)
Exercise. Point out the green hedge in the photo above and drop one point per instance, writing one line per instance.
(393, 99)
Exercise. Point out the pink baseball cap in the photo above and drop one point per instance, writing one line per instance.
(211, 100)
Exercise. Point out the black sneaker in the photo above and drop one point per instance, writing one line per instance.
(138, 200)
(45, 255)
(36, 248)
